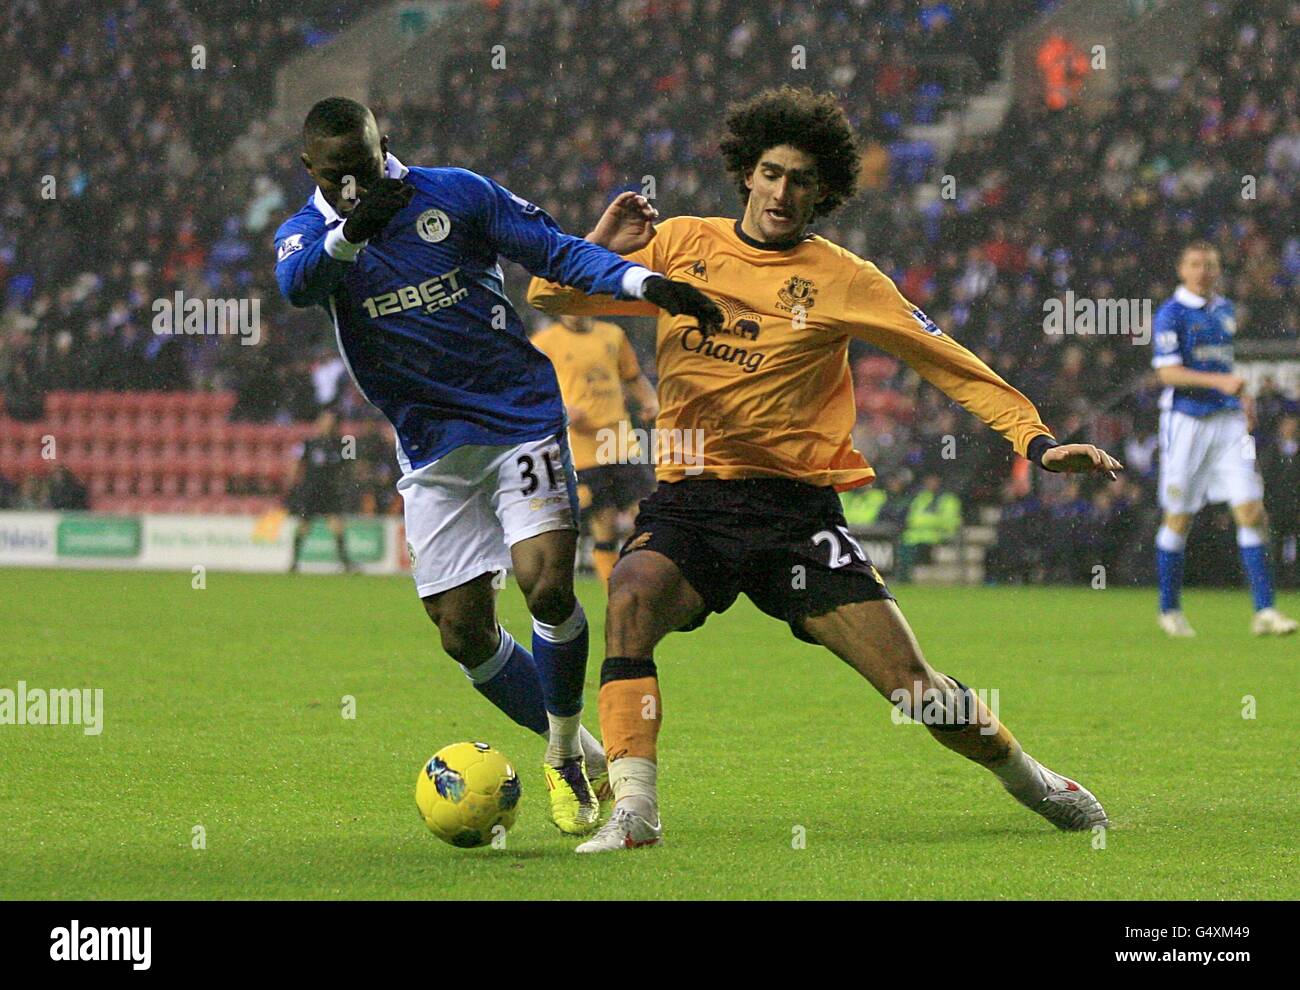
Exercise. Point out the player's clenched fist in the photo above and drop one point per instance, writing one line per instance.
(678, 298)
(1081, 458)
(376, 207)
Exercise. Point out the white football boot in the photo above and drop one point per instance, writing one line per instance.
(624, 830)
(1271, 622)
(1068, 805)
(1176, 625)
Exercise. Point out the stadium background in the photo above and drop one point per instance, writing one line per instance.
(1066, 174)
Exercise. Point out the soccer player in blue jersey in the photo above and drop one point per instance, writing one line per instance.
(1205, 442)
(404, 260)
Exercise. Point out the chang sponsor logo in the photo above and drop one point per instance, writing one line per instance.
(745, 358)
(738, 320)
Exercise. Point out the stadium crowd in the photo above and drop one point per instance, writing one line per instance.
(1053, 201)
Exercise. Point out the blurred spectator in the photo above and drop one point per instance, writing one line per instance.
(933, 518)
(1279, 463)
(879, 504)
(319, 490)
(1050, 202)
(66, 493)
(1016, 555)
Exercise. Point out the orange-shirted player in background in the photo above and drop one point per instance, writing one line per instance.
(596, 365)
(770, 400)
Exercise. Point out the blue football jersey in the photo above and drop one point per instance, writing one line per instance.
(1196, 333)
(421, 315)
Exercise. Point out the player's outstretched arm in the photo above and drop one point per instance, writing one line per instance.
(881, 315)
(527, 235)
(626, 228)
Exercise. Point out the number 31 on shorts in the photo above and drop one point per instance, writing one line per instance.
(528, 467)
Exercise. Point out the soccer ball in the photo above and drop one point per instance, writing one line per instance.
(465, 792)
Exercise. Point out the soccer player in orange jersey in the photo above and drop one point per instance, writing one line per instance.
(757, 419)
(596, 366)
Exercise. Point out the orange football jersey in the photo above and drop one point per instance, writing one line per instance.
(772, 395)
(592, 368)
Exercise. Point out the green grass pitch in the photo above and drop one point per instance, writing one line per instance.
(222, 708)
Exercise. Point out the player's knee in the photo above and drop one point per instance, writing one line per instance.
(468, 642)
(550, 601)
(1250, 514)
(913, 682)
(603, 525)
(626, 601)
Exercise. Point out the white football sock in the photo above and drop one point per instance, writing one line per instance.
(592, 751)
(567, 631)
(633, 779)
(1249, 536)
(563, 742)
(1170, 541)
(1022, 776)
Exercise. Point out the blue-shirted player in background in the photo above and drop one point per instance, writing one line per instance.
(405, 262)
(1205, 442)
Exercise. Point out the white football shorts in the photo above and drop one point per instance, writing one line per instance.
(467, 509)
(1204, 458)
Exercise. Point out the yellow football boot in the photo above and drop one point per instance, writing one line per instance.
(574, 806)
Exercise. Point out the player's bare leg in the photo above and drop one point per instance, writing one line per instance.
(1252, 540)
(604, 531)
(876, 641)
(648, 599)
(467, 621)
(1170, 543)
(500, 669)
(544, 568)
(300, 531)
(339, 532)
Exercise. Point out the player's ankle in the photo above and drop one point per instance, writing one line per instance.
(640, 805)
(635, 785)
(563, 740)
(1022, 776)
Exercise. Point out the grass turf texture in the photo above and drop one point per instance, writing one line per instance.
(222, 708)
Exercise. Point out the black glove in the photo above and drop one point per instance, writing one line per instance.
(680, 297)
(376, 208)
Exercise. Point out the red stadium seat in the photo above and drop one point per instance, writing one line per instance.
(56, 401)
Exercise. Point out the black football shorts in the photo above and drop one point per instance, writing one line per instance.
(617, 486)
(783, 543)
